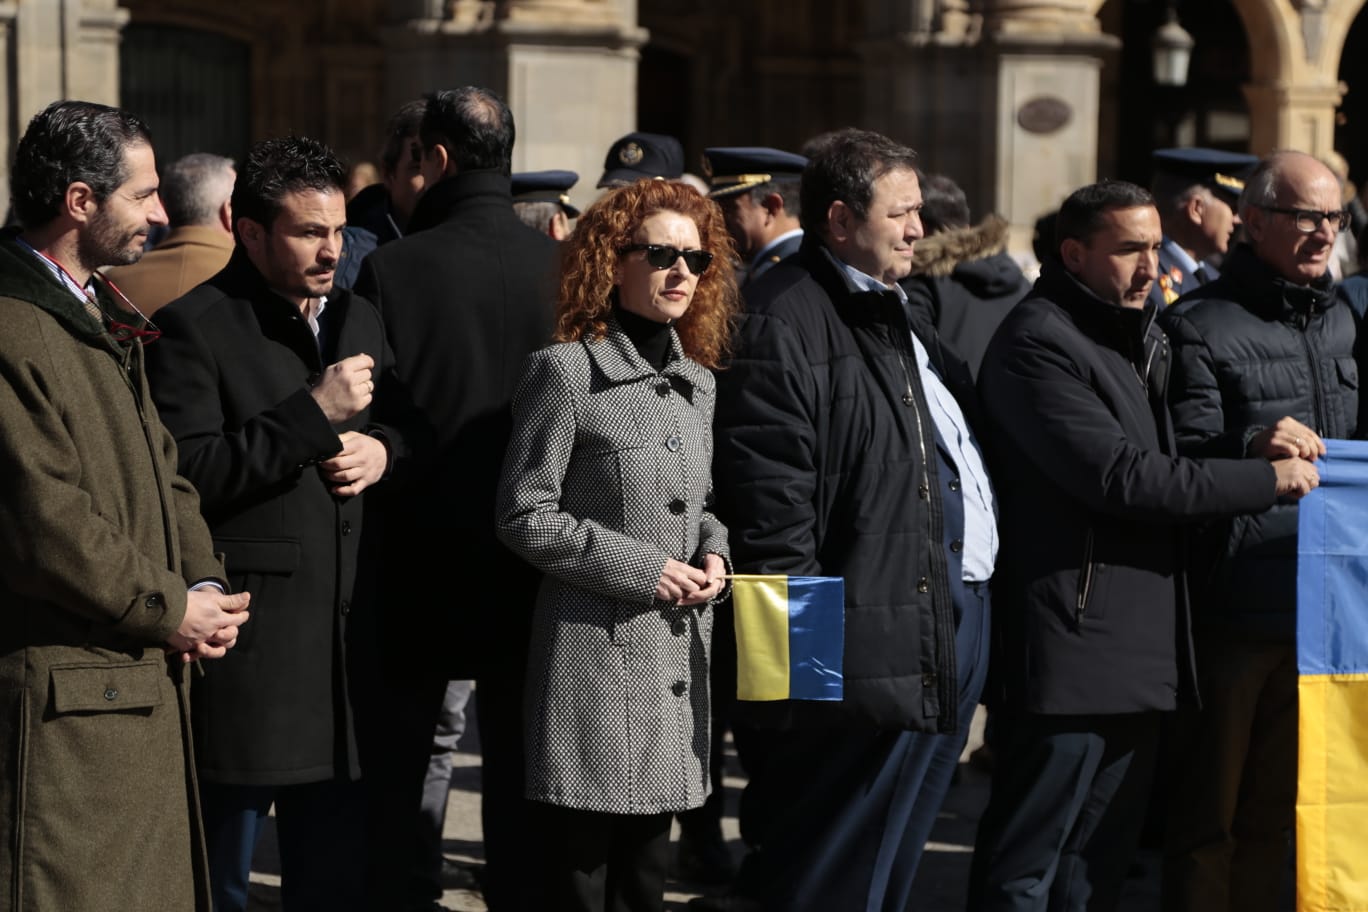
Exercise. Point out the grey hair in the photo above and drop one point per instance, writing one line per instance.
(195, 187)
(536, 214)
(1261, 187)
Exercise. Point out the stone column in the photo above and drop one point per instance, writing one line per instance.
(567, 69)
(1001, 95)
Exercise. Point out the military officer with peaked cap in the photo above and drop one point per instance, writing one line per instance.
(757, 188)
(642, 155)
(542, 201)
(1197, 191)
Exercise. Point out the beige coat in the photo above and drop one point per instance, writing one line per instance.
(98, 538)
(186, 257)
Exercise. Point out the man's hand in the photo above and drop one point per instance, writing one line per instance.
(679, 581)
(210, 626)
(1296, 477)
(714, 568)
(345, 388)
(361, 463)
(1289, 437)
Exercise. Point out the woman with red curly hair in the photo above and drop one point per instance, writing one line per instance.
(606, 489)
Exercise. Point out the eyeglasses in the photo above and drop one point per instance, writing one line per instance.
(662, 256)
(1309, 220)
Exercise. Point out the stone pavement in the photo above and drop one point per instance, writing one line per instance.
(941, 882)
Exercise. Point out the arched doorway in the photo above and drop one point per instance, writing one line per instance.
(1351, 121)
(192, 87)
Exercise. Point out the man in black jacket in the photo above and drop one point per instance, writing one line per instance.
(843, 449)
(1091, 636)
(465, 296)
(265, 376)
(1268, 338)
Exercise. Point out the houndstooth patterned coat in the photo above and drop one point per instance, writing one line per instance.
(608, 473)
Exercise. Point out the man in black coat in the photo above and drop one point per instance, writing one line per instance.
(843, 449)
(465, 296)
(1091, 640)
(1264, 365)
(265, 376)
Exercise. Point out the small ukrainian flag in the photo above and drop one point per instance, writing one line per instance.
(790, 636)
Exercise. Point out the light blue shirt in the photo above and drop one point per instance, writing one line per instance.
(954, 437)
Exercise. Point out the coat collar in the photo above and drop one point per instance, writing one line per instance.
(1118, 327)
(24, 278)
(454, 195)
(618, 359)
(1253, 283)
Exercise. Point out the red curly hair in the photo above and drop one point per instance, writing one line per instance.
(591, 255)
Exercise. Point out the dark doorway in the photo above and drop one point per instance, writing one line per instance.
(1351, 122)
(191, 87)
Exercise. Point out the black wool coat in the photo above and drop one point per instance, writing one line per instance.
(824, 466)
(1089, 606)
(231, 377)
(466, 296)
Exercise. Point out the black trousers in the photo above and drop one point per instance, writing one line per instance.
(594, 862)
(1063, 821)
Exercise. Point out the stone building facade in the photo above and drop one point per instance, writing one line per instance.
(1019, 100)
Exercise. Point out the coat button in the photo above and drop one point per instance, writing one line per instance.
(111, 693)
(678, 688)
(673, 443)
(677, 506)
(346, 527)
(923, 585)
(678, 628)
(923, 491)
(344, 606)
(908, 399)
(663, 388)
(957, 546)
(954, 484)
(928, 681)
(155, 603)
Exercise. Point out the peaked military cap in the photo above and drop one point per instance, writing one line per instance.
(642, 155)
(546, 187)
(1222, 172)
(731, 169)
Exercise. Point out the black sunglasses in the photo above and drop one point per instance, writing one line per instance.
(662, 256)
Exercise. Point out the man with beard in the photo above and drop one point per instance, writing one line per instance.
(100, 540)
(266, 375)
(1270, 338)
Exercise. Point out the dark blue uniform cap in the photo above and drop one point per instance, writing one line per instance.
(546, 187)
(732, 169)
(1223, 172)
(642, 155)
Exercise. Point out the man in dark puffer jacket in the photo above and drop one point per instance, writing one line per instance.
(843, 448)
(1269, 338)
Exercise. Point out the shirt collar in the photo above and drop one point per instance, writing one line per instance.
(866, 282)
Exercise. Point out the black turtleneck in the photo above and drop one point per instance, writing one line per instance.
(652, 339)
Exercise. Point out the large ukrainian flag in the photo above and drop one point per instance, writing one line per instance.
(790, 636)
(1332, 660)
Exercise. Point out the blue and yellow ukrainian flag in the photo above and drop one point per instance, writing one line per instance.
(1332, 661)
(790, 636)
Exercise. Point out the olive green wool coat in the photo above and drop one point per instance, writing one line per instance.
(98, 539)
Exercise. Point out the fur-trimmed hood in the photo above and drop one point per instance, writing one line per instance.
(938, 254)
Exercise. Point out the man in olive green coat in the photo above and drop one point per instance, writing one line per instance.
(108, 582)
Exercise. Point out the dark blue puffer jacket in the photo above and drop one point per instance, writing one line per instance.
(1249, 349)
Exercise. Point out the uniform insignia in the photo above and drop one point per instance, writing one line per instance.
(1170, 283)
(630, 154)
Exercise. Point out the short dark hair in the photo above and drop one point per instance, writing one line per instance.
(194, 187)
(1081, 215)
(69, 142)
(789, 190)
(944, 205)
(475, 127)
(844, 167)
(275, 167)
(403, 124)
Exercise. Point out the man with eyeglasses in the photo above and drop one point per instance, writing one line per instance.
(1270, 338)
(844, 447)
